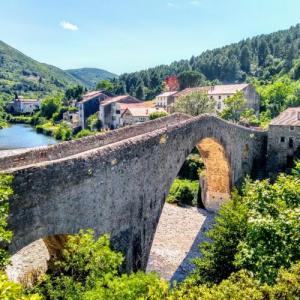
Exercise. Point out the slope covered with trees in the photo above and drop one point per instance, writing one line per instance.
(91, 76)
(263, 57)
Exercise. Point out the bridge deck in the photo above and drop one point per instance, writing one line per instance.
(25, 157)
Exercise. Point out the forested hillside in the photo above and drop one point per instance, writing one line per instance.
(22, 74)
(263, 57)
(91, 76)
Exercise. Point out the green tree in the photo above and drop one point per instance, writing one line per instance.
(140, 91)
(190, 79)
(234, 107)
(195, 103)
(93, 122)
(105, 85)
(263, 52)
(50, 105)
(245, 59)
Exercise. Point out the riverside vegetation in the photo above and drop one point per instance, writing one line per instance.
(253, 253)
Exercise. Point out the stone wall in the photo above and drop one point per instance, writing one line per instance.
(61, 150)
(120, 188)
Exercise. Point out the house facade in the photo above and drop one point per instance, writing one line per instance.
(135, 114)
(111, 109)
(284, 140)
(89, 105)
(218, 92)
(21, 105)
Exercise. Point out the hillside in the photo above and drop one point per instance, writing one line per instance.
(22, 74)
(91, 76)
(263, 57)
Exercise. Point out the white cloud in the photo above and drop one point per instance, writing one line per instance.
(68, 26)
(195, 2)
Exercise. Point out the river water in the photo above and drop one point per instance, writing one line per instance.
(22, 136)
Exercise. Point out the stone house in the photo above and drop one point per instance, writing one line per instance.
(284, 140)
(89, 105)
(221, 92)
(111, 109)
(165, 99)
(21, 105)
(135, 114)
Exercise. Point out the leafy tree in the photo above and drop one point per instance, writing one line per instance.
(105, 85)
(234, 107)
(140, 91)
(63, 132)
(50, 105)
(93, 122)
(195, 103)
(190, 79)
(74, 93)
(5, 235)
(157, 115)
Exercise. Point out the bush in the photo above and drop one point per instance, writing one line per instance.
(50, 105)
(63, 132)
(84, 133)
(183, 191)
(93, 122)
(157, 115)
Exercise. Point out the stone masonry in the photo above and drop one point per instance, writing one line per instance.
(117, 183)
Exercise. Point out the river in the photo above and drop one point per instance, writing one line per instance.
(19, 136)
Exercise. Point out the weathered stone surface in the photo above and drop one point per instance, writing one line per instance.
(118, 185)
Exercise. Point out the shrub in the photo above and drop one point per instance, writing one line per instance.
(157, 115)
(191, 167)
(62, 132)
(183, 191)
(83, 133)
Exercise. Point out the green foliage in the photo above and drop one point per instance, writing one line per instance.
(93, 122)
(62, 132)
(83, 133)
(50, 105)
(5, 235)
(190, 79)
(183, 191)
(74, 93)
(105, 85)
(191, 167)
(13, 291)
(258, 230)
(21, 74)
(234, 107)
(157, 115)
(194, 104)
(131, 287)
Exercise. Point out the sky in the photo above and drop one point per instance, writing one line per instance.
(129, 35)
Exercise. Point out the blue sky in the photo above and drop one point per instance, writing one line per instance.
(129, 35)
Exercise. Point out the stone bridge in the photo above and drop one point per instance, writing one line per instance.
(117, 182)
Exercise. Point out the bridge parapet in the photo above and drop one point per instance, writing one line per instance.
(65, 149)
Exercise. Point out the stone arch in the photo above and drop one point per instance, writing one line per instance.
(216, 179)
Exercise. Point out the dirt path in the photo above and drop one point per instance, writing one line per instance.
(179, 232)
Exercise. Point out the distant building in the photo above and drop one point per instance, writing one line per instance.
(284, 140)
(221, 92)
(110, 111)
(165, 99)
(89, 105)
(134, 114)
(72, 118)
(21, 105)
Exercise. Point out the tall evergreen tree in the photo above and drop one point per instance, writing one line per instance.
(263, 51)
(245, 59)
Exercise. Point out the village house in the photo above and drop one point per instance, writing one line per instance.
(218, 92)
(21, 105)
(284, 140)
(89, 105)
(110, 110)
(135, 114)
(165, 99)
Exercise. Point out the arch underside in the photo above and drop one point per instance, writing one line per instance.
(215, 179)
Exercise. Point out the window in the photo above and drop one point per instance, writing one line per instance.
(291, 142)
(282, 139)
(219, 105)
(118, 112)
(220, 97)
(292, 128)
